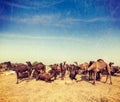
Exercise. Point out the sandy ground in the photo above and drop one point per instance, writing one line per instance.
(58, 91)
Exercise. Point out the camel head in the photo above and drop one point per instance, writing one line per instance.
(76, 62)
(111, 63)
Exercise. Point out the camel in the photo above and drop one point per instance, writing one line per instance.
(37, 69)
(83, 67)
(58, 69)
(22, 71)
(8, 65)
(73, 71)
(64, 67)
(29, 64)
(91, 72)
(114, 69)
(47, 76)
(100, 66)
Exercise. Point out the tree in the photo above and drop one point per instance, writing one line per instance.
(34, 63)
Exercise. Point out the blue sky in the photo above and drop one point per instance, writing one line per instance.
(53, 31)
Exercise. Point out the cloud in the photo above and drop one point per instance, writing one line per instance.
(33, 37)
(44, 19)
(32, 4)
(46, 4)
(56, 20)
(89, 20)
(12, 4)
(51, 19)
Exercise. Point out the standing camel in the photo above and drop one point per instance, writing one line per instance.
(29, 64)
(100, 66)
(21, 71)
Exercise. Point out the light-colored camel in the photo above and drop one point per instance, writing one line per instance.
(100, 66)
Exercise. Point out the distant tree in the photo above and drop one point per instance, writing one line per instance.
(34, 63)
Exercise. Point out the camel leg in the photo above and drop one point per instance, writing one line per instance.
(32, 74)
(98, 76)
(17, 77)
(37, 77)
(66, 74)
(46, 79)
(110, 78)
(65, 80)
(28, 75)
(94, 78)
(60, 75)
(90, 75)
(109, 72)
(106, 78)
(55, 75)
(63, 75)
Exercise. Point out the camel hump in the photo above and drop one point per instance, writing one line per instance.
(100, 60)
(90, 63)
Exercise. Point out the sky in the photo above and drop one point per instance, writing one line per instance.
(53, 31)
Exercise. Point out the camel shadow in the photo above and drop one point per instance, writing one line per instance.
(116, 75)
(24, 79)
(84, 78)
(50, 81)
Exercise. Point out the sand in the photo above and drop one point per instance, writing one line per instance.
(58, 91)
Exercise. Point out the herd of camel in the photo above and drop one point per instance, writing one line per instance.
(38, 71)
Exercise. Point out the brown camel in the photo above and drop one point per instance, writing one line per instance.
(63, 67)
(47, 77)
(91, 71)
(22, 71)
(83, 67)
(100, 66)
(73, 71)
(29, 64)
(9, 65)
(114, 69)
(57, 68)
(37, 69)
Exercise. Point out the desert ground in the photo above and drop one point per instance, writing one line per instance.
(58, 90)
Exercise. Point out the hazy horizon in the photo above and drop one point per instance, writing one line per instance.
(57, 31)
